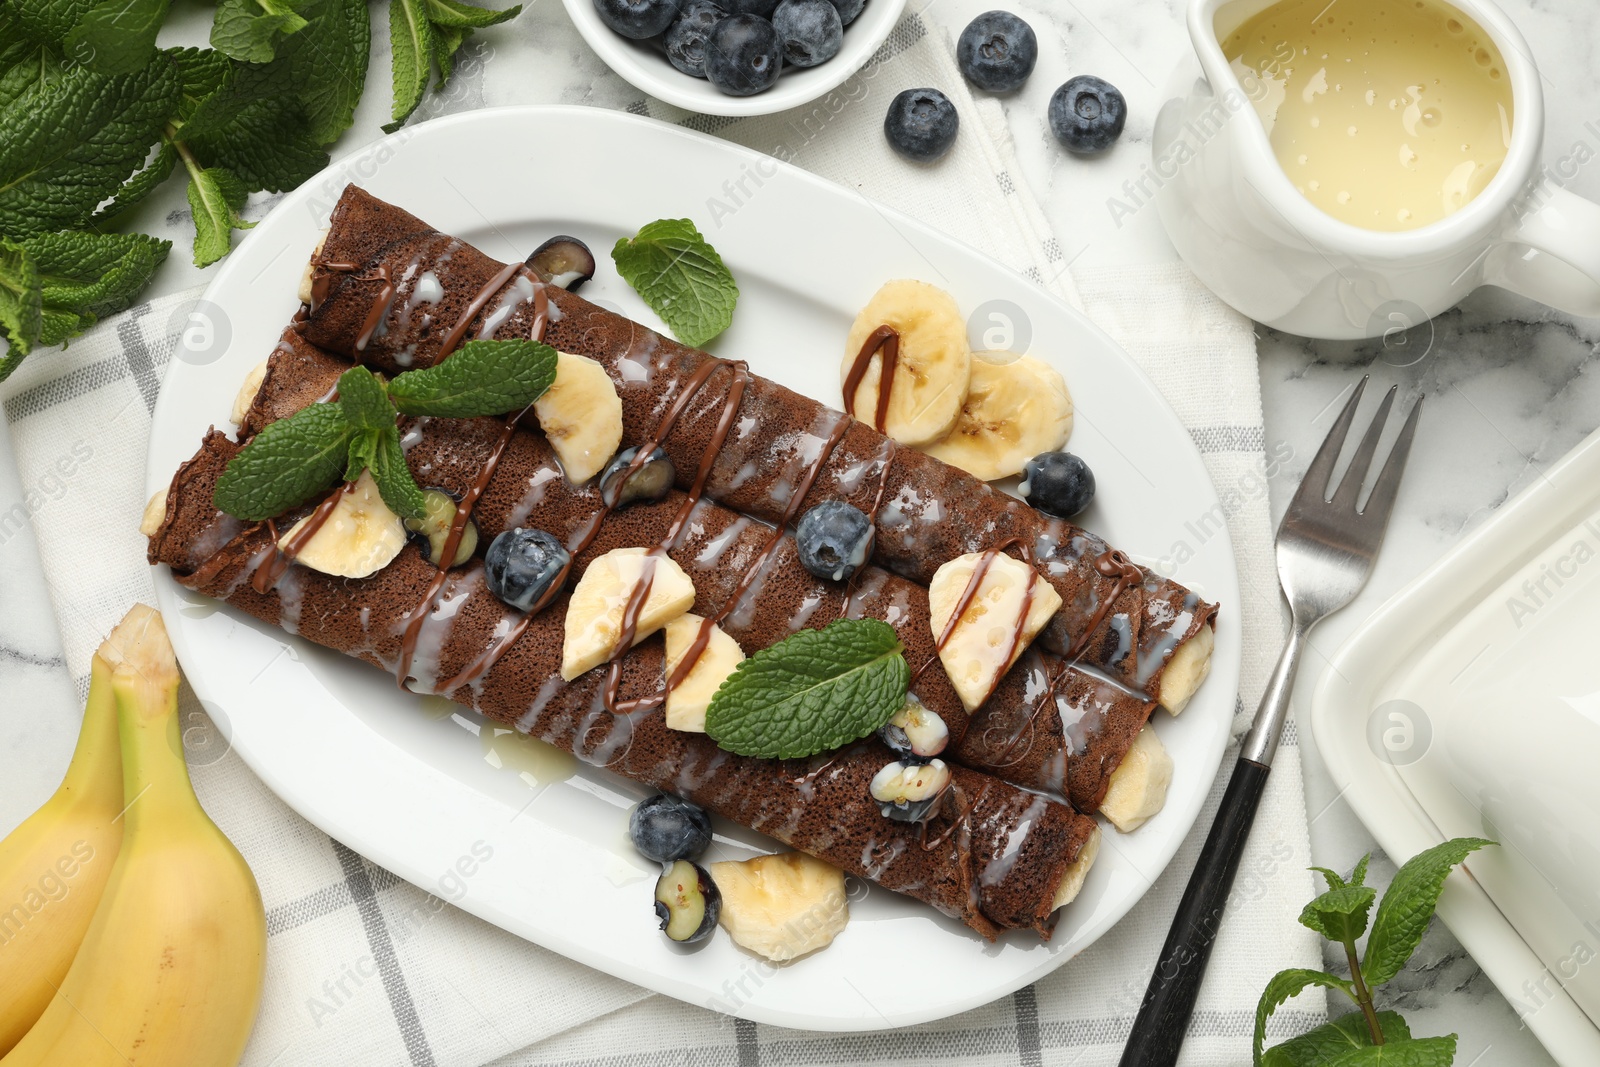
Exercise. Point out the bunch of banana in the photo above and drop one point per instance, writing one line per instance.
(985, 412)
(169, 967)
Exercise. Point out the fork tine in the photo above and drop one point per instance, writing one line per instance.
(1313, 489)
(1349, 491)
(1381, 502)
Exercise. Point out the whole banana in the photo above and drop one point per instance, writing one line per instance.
(54, 867)
(169, 972)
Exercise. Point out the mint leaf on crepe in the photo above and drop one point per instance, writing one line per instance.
(249, 30)
(395, 484)
(21, 304)
(375, 442)
(215, 197)
(813, 691)
(286, 464)
(117, 36)
(1316, 1047)
(366, 405)
(411, 40)
(67, 146)
(479, 378)
(681, 277)
(1281, 987)
(1408, 905)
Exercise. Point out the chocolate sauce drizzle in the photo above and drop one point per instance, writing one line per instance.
(885, 339)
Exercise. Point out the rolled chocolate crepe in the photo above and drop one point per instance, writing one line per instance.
(1047, 726)
(995, 856)
(389, 290)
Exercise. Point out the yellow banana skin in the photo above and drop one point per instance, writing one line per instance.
(54, 867)
(169, 973)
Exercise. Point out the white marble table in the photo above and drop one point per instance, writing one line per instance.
(1511, 385)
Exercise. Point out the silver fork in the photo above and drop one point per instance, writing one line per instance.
(1325, 550)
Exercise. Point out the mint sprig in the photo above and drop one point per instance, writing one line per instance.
(813, 691)
(1365, 1037)
(293, 459)
(681, 277)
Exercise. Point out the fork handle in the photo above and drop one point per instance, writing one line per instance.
(1169, 1001)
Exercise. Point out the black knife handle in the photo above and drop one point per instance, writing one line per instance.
(1169, 1001)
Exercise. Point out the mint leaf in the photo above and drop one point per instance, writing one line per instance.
(1359, 875)
(215, 197)
(48, 20)
(466, 16)
(87, 276)
(1315, 1047)
(21, 304)
(1407, 906)
(411, 41)
(117, 36)
(141, 185)
(480, 378)
(25, 65)
(447, 41)
(253, 125)
(1333, 878)
(366, 406)
(286, 464)
(327, 64)
(68, 145)
(681, 277)
(812, 691)
(1340, 914)
(1286, 984)
(395, 484)
(1419, 1052)
(249, 31)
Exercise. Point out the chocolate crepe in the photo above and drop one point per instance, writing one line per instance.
(367, 305)
(993, 857)
(1066, 743)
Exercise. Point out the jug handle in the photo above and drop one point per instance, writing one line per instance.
(1552, 254)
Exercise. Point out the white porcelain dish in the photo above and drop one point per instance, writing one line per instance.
(645, 66)
(1469, 705)
(413, 783)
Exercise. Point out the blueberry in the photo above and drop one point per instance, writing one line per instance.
(848, 9)
(521, 565)
(651, 481)
(921, 124)
(666, 828)
(1087, 114)
(688, 902)
(810, 29)
(743, 55)
(997, 51)
(1057, 483)
(834, 540)
(760, 8)
(685, 39)
(637, 18)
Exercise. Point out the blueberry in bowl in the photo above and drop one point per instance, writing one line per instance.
(743, 55)
(637, 19)
(997, 51)
(810, 29)
(1087, 115)
(685, 39)
(921, 124)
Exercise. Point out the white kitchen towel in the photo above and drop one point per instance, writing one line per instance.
(366, 969)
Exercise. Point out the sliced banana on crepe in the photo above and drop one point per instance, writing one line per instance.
(993, 631)
(782, 906)
(1016, 408)
(1186, 669)
(246, 396)
(1139, 784)
(931, 372)
(594, 613)
(688, 700)
(581, 414)
(1071, 883)
(359, 538)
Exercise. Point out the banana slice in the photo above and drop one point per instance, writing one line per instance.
(934, 365)
(975, 656)
(305, 279)
(1139, 784)
(359, 538)
(1016, 408)
(1071, 883)
(581, 414)
(688, 700)
(594, 613)
(248, 391)
(782, 906)
(155, 513)
(1186, 669)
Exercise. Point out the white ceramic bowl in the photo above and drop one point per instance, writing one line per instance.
(646, 67)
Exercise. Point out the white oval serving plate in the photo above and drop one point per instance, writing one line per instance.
(645, 66)
(1469, 706)
(412, 782)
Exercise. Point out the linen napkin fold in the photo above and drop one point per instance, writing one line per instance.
(366, 969)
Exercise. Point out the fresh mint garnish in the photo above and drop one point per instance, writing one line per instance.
(1365, 1037)
(286, 464)
(424, 34)
(813, 691)
(681, 277)
(291, 460)
(480, 378)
